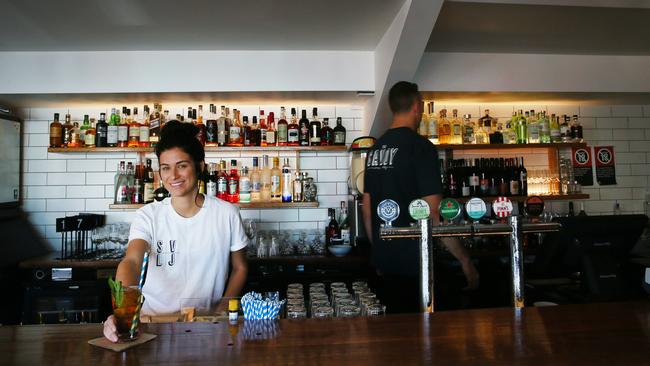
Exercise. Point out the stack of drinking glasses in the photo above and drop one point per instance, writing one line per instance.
(339, 303)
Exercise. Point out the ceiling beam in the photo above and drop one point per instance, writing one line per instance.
(397, 57)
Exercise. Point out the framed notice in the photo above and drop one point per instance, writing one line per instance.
(605, 166)
(583, 168)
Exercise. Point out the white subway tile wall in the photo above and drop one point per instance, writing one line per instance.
(60, 184)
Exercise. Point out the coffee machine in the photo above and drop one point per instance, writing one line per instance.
(358, 152)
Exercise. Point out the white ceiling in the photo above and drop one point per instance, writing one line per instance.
(109, 25)
(547, 29)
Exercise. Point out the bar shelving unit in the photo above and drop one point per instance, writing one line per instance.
(252, 205)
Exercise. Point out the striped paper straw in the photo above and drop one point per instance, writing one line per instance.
(136, 319)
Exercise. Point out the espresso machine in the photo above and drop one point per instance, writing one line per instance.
(358, 152)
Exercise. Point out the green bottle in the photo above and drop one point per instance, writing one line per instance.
(522, 129)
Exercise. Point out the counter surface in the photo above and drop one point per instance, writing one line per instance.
(617, 334)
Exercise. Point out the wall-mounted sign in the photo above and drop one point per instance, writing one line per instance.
(583, 167)
(605, 166)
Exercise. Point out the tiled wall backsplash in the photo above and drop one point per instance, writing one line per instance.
(59, 184)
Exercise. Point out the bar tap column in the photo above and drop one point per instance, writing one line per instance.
(516, 262)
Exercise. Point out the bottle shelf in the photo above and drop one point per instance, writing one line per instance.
(559, 197)
(510, 146)
(244, 206)
(207, 148)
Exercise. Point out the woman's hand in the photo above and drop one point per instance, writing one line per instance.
(110, 329)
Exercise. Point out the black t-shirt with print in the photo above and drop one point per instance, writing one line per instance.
(402, 166)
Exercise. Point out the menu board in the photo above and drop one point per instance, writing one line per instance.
(583, 169)
(605, 166)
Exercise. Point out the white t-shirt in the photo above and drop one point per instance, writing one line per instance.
(189, 257)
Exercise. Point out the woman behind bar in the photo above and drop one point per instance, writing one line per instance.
(193, 240)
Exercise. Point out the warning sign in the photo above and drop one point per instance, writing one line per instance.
(583, 168)
(605, 166)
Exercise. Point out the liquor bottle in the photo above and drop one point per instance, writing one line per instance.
(456, 129)
(233, 183)
(494, 174)
(161, 192)
(576, 130)
(293, 130)
(223, 127)
(326, 134)
(339, 132)
(244, 186)
(123, 128)
(473, 180)
(203, 180)
(134, 130)
(211, 129)
(276, 180)
(303, 138)
(514, 175)
(211, 184)
(481, 134)
(556, 136)
(533, 128)
(544, 129)
(496, 137)
(200, 125)
(265, 180)
(286, 185)
(487, 122)
(120, 185)
(433, 125)
(113, 122)
(56, 132)
(75, 136)
(101, 131)
(271, 132)
(582, 209)
(332, 230)
(84, 127)
(468, 130)
(256, 184)
(484, 181)
(523, 178)
(137, 197)
(222, 181)
(522, 129)
(90, 136)
(314, 129)
(255, 133)
(298, 188)
(246, 131)
(444, 128)
(155, 124)
(235, 137)
(283, 128)
(144, 127)
(263, 127)
(344, 227)
(565, 130)
(67, 130)
(148, 181)
(510, 131)
(423, 126)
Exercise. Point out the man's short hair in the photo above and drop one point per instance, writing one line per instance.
(402, 96)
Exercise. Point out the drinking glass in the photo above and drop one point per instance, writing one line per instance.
(126, 309)
(349, 311)
(375, 310)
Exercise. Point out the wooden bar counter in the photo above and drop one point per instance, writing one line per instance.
(595, 334)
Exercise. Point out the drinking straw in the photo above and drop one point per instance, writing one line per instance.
(136, 319)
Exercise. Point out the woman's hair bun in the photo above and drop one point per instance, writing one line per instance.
(177, 129)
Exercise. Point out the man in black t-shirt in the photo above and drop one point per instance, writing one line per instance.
(403, 166)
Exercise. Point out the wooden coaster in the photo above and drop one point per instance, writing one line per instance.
(121, 346)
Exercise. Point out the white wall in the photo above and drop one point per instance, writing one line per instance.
(60, 184)
(160, 71)
(494, 72)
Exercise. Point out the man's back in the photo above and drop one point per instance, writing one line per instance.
(402, 166)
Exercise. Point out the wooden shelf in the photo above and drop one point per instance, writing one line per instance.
(244, 206)
(207, 148)
(509, 146)
(561, 197)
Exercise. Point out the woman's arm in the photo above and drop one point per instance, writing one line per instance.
(237, 277)
(128, 271)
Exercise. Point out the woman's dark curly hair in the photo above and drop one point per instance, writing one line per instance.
(180, 135)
